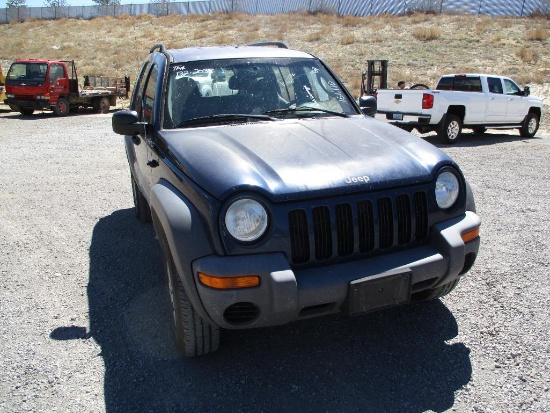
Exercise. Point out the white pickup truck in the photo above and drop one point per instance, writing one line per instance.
(459, 101)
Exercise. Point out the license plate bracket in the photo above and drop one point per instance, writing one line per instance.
(378, 292)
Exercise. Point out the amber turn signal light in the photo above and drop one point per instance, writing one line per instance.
(227, 283)
(470, 235)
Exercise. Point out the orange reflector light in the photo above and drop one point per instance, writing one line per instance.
(470, 235)
(226, 283)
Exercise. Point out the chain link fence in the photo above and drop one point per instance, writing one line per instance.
(340, 7)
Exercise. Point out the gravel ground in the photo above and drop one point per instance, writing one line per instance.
(84, 314)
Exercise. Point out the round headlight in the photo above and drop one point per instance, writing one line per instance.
(446, 189)
(246, 220)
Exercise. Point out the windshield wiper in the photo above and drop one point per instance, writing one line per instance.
(223, 117)
(294, 109)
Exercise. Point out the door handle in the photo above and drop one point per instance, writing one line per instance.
(153, 163)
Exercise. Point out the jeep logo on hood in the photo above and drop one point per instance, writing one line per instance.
(357, 179)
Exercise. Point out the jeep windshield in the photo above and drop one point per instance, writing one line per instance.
(26, 74)
(251, 90)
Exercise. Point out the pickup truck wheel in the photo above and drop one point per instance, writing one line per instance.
(450, 129)
(62, 107)
(419, 86)
(436, 292)
(530, 126)
(104, 105)
(143, 211)
(193, 335)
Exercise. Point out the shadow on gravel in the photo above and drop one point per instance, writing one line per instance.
(473, 140)
(395, 360)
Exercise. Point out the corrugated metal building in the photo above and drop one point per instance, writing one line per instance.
(340, 7)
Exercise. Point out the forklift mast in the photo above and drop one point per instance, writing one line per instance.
(375, 77)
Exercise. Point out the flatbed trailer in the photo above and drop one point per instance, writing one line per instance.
(36, 84)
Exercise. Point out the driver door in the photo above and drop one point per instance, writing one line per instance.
(516, 107)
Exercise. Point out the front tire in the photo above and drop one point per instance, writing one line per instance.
(143, 211)
(62, 107)
(530, 126)
(450, 130)
(193, 335)
(437, 292)
(26, 111)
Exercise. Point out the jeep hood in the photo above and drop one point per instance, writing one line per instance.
(292, 159)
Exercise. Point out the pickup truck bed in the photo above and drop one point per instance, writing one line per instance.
(469, 101)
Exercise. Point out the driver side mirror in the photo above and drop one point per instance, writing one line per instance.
(126, 122)
(526, 91)
(368, 105)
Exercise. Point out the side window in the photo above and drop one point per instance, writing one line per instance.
(149, 95)
(495, 85)
(511, 87)
(56, 72)
(138, 90)
(473, 84)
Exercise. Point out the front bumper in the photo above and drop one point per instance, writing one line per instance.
(28, 104)
(285, 295)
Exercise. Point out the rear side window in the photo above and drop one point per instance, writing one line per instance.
(460, 83)
(495, 85)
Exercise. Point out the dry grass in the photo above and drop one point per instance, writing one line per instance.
(347, 39)
(539, 34)
(527, 55)
(420, 47)
(427, 33)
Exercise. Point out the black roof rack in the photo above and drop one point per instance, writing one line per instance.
(280, 45)
(159, 46)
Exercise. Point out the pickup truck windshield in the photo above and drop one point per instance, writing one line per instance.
(28, 74)
(206, 89)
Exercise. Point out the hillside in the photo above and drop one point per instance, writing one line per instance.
(419, 47)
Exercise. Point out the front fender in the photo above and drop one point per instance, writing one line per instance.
(179, 228)
(470, 201)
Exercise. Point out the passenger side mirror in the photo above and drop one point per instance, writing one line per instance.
(526, 91)
(126, 122)
(368, 105)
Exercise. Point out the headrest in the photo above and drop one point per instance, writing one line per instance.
(237, 82)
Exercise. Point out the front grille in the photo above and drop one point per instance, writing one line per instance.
(366, 226)
(24, 97)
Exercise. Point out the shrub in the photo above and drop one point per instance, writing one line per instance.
(527, 55)
(347, 39)
(536, 35)
(427, 33)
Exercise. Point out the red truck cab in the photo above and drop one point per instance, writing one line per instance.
(41, 84)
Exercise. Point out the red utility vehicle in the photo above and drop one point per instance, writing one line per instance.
(35, 84)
